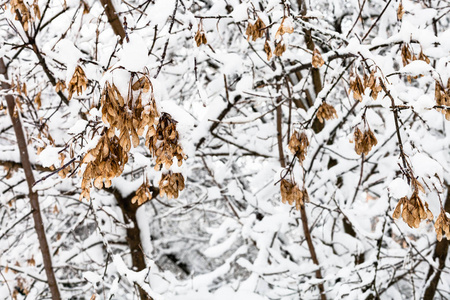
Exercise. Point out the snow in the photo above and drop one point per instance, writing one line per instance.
(425, 166)
(92, 277)
(239, 13)
(399, 188)
(79, 127)
(134, 54)
(417, 67)
(49, 156)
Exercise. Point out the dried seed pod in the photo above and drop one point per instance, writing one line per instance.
(255, 31)
(285, 27)
(291, 194)
(357, 87)
(407, 57)
(442, 226)
(200, 37)
(78, 83)
(317, 60)
(364, 141)
(171, 184)
(400, 11)
(298, 145)
(268, 50)
(414, 211)
(163, 142)
(280, 48)
(60, 86)
(143, 194)
(442, 98)
(326, 112)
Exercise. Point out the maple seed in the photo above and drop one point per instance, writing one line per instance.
(268, 50)
(291, 194)
(200, 37)
(285, 27)
(143, 194)
(442, 226)
(171, 184)
(357, 87)
(254, 31)
(326, 112)
(317, 60)
(442, 98)
(364, 141)
(400, 11)
(78, 82)
(298, 145)
(414, 211)
(280, 48)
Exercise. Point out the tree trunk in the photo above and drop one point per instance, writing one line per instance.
(440, 252)
(34, 200)
(133, 235)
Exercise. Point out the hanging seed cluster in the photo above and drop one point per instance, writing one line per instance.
(268, 50)
(326, 112)
(255, 31)
(129, 117)
(25, 12)
(298, 144)
(106, 161)
(200, 36)
(60, 86)
(364, 141)
(143, 194)
(442, 226)
(291, 194)
(442, 97)
(163, 142)
(285, 27)
(357, 86)
(78, 82)
(317, 60)
(171, 184)
(408, 55)
(414, 211)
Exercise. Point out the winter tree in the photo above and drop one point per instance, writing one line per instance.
(229, 149)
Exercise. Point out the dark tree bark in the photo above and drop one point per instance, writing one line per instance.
(34, 199)
(134, 234)
(440, 252)
(113, 19)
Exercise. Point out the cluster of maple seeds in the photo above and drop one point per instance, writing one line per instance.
(326, 112)
(131, 117)
(143, 194)
(364, 141)
(104, 162)
(77, 84)
(414, 211)
(317, 60)
(442, 97)
(20, 8)
(298, 144)
(357, 86)
(171, 184)
(258, 29)
(291, 194)
(408, 55)
(442, 226)
(200, 36)
(163, 142)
